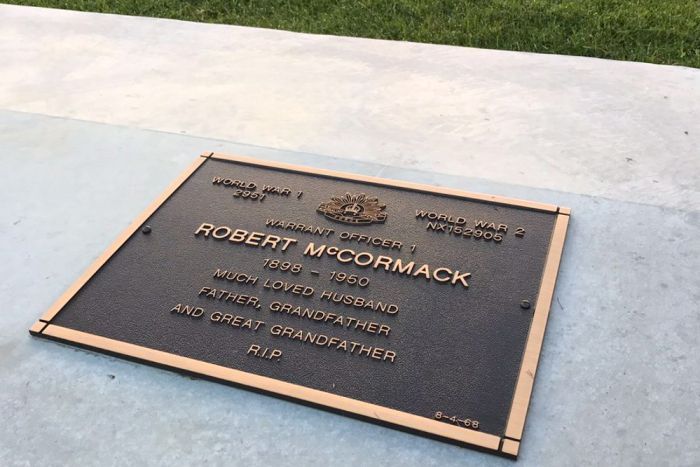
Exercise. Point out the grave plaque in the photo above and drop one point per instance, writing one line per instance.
(418, 307)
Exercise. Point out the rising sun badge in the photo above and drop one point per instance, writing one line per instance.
(354, 209)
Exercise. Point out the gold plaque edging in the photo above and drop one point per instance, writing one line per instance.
(510, 447)
(518, 413)
(275, 386)
(533, 346)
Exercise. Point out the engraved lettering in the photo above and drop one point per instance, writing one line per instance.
(439, 277)
(436, 216)
(238, 277)
(238, 236)
(264, 352)
(366, 259)
(235, 321)
(204, 228)
(230, 297)
(297, 227)
(311, 250)
(231, 183)
(334, 343)
(359, 302)
(187, 310)
(321, 316)
(275, 190)
(289, 287)
(369, 240)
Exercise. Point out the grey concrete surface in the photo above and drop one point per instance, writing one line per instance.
(622, 130)
(618, 383)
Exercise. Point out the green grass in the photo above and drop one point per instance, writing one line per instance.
(657, 31)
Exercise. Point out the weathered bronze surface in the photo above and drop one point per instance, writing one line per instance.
(419, 307)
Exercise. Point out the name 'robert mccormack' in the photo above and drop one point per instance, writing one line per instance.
(441, 275)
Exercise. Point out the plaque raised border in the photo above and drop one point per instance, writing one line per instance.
(507, 445)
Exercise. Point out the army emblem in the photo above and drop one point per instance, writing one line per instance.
(353, 209)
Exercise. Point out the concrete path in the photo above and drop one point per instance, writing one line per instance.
(93, 115)
(622, 130)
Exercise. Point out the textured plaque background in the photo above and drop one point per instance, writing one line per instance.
(459, 350)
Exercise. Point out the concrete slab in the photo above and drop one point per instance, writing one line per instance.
(622, 130)
(618, 383)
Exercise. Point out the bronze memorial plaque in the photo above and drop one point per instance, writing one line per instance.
(418, 307)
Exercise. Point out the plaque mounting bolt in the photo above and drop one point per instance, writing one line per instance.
(146, 229)
(525, 304)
